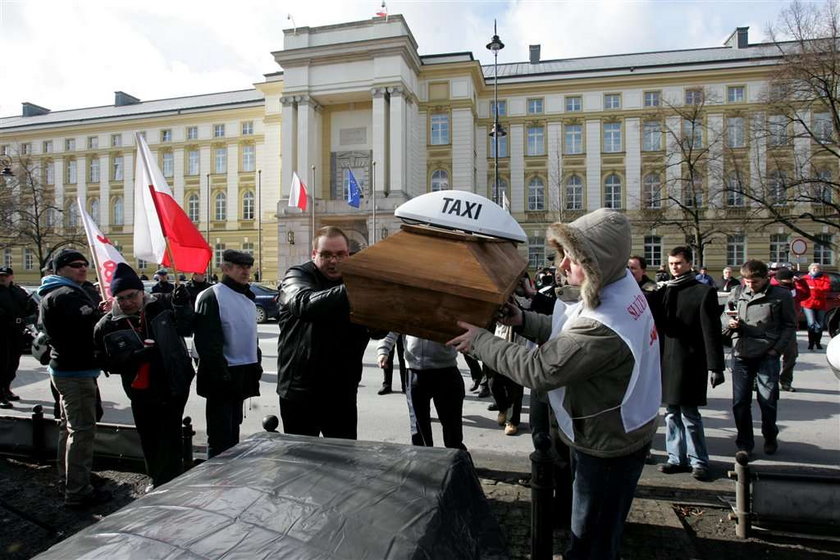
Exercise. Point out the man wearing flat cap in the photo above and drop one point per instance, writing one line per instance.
(68, 314)
(228, 355)
(163, 286)
(15, 306)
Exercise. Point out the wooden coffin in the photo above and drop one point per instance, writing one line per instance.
(422, 280)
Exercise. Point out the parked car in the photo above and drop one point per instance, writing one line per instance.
(266, 300)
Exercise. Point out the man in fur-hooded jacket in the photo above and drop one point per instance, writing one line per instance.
(599, 360)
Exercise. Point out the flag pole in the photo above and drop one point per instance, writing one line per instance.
(373, 203)
(172, 260)
(312, 225)
(92, 252)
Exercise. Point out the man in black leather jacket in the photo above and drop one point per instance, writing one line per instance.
(319, 351)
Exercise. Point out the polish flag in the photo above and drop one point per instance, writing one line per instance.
(297, 196)
(383, 11)
(105, 254)
(158, 219)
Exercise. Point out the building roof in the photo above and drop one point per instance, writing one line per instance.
(142, 109)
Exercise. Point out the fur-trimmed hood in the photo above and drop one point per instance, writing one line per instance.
(600, 242)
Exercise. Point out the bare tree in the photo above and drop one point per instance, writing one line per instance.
(29, 215)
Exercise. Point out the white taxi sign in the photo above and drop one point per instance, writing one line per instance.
(462, 210)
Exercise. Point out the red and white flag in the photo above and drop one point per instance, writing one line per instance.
(158, 219)
(297, 195)
(383, 11)
(104, 253)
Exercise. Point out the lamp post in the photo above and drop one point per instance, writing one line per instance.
(212, 246)
(495, 45)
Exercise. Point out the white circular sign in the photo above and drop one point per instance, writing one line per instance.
(798, 246)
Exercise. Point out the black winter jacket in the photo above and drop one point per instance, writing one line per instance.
(15, 306)
(68, 315)
(319, 350)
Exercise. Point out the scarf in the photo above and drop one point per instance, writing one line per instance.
(243, 289)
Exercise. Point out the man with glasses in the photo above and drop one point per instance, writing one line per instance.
(319, 351)
(69, 314)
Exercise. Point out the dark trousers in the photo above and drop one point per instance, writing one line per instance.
(788, 362)
(765, 370)
(9, 358)
(331, 415)
(159, 426)
(388, 371)
(475, 368)
(508, 395)
(224, 416)
(446, 388)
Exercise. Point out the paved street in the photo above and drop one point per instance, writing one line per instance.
(809, 419)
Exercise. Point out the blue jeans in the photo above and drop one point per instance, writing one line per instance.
(766, 370)
(815, 319)
(602, 495)
(685, 441)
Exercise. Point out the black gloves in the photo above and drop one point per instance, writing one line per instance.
(181, 296)
(716, 378)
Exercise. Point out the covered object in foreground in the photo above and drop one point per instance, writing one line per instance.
(282, 496)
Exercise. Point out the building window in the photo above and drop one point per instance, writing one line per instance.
(735, 94)
(7, 257)
(247, 128)
(653, 250)
(49, 173)
(248, 206)
(218, 250)
(220, 207)
(612, 137)
(692, 195)
(574, 193)
(536, 141)
(116, 140)
(612, 101)
(248, 247)
(822, 187)
(573, 139)
(26, 148)
(779, 247)
(47, 146)
(119, 218)
(612, 192)
(536, 195)
(776, 187)
(28, 259)
(218, 131)
(574, 104)
(168, 161)
(93, 142)
(193, 207)
(693, 96)
(692, 133)
(220, 161)
(141, 264)
(651, 191)
(823, 254)
(503, 146)
(822, 129)
(652, 98)
(497, 193)
(734, 192)
(93, 208)
(777, 128)
(248, 157)
(71, 174)
(651, 136)
(117, 168)
(440, 129)
(93, 170)
(166, 135)
(193, 162)
(69, 144)
(535, 106)
(536, 252)
(735, 133)
(71, 215)
(736, 250)
(440, 180)
(192, 133)
(502, 108)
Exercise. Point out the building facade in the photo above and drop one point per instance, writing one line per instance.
(657, 135)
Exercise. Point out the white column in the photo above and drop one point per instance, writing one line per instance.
(232, 185)
(81, 184)
(288, 143)
(484, 179)
(421, 169)
(104, 218)
(555, 168)
(204, 189)
(398, 140)
(82, 188)
(379, 141)
(673, 126)
(593, 165)
(304, 156)
(128, 187)
(178, 177)
(463, 149)
(516, 145)
(633, 162)
(714, 166)
(801, 146)
(59, 179)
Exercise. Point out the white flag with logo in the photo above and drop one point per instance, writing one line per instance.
(104, 253)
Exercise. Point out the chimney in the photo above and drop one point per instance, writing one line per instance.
(534, 54)
(121, 98)
(740, 39)
(32, 110)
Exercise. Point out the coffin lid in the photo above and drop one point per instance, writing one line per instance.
(462, 210)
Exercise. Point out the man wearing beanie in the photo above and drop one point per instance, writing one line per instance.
(68, 314)
(228, 355)
(141, 340)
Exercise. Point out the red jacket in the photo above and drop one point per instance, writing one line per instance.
(819, 286)
(800, 291)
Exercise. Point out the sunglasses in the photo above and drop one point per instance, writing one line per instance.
(77, 265)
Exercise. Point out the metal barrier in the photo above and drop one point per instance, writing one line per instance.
(542, 498)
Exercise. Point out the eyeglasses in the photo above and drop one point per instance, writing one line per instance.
(77, 265)
(338, 257)
(130, 296)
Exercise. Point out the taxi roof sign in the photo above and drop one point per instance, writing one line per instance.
(462, 210)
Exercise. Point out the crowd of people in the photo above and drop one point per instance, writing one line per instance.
(599, 367)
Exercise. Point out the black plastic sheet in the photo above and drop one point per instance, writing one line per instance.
(281, 496)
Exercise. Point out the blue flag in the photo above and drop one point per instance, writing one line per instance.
(354, 193)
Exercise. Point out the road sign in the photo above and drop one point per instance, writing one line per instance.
(798, 246)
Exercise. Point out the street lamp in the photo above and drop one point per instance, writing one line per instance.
(495, 45)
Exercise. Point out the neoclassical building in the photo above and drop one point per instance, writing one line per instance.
(358, 98)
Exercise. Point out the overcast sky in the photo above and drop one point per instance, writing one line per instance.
(66, 54)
